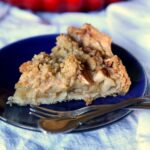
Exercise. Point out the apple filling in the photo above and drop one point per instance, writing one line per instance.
(80, 67)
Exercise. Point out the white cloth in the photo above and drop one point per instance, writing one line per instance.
(128, 23)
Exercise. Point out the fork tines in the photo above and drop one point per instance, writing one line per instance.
(42, 112)
(50, 113)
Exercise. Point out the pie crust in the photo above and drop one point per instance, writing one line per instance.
(80, 67)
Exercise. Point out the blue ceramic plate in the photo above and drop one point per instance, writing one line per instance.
(15, 54)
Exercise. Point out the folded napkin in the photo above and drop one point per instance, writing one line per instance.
(128, 24)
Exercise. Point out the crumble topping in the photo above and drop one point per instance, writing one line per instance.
(80, 66)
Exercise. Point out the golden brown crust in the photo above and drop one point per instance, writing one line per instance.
(118, 72)
(88, 36)
(81, 66)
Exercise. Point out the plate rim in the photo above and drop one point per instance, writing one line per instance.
(55, 35)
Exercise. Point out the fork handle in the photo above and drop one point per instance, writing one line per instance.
(68, 124)
(121, 105)
(139, 106)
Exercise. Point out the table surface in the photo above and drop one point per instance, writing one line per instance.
(128, 25)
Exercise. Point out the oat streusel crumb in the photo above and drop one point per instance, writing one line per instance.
(80, 66)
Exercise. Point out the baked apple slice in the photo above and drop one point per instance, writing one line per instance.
(80, 67)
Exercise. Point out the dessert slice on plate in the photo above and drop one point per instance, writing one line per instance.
(80, 66)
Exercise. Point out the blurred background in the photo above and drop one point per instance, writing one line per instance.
(24, 18)
(126, 21)
(61, 6)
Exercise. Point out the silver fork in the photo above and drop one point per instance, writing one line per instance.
(42, 112)
(63, 125)
(132, 104)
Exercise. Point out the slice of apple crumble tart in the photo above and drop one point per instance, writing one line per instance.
(80, 66)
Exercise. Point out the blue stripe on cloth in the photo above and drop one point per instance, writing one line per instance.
(30, 145)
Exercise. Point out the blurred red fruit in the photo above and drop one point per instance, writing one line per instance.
(15, 2)
(73, 5)
(111, 1)
(94, 4)
(51, 5)
(62, 5)
(32, 4)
